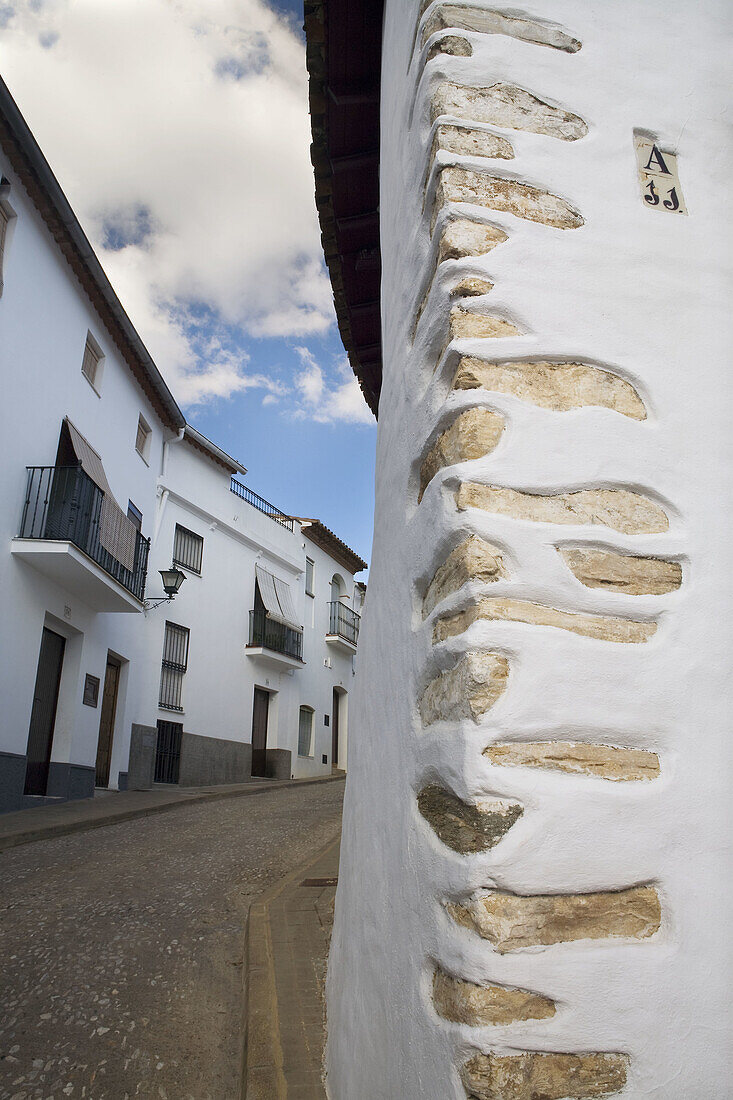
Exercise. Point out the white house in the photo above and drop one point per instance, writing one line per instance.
(101, 485)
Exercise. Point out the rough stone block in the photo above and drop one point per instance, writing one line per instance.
(472, 560)
(465, 323)
(473, 434)
(464, 1002)
(498, 22)
(469, 142)
(556, 386)
(621, 572)
(467, 690)
(508, 106)
(496, 609)
(452, 45)
(461, 237)
(472, 287)
(467, 827)
(459, 184)
(538, 1076)
(577, 758)
(620, 509)
(510, 922)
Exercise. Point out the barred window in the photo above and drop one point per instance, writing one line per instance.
(174, 665)
(188, 549)
(90, 364)
(305, 732)
(309, 577)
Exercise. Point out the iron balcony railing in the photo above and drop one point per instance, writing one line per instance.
(63, 503)
(344, 622)
(261, 504)
(267, 632)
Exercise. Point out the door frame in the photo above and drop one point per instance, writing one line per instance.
(39, 769)
(116, 663)
(335, 722)
(259, 751)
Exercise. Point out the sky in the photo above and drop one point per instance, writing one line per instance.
(179, 131)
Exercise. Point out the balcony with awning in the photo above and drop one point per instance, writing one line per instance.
(73, 531)
(275, 636)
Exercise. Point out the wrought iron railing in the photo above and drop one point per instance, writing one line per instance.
(343, 621)
(261, 504)
(269, 633)
(63, 503)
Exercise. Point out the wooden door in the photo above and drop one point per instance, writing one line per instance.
(43, 714)
(259, 732)
(107, 722)
(335, 729)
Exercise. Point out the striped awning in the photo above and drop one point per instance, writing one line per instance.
(277, 598)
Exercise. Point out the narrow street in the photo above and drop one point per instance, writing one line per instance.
(122, 948)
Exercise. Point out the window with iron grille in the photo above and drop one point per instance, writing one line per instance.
(174, 665)
(188, 549)
(309, 577)
(305, 732)
(90, 364)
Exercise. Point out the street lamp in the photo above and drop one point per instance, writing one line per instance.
(172, 580)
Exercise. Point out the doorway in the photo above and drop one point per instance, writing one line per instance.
(335, 728)
(43, 713)
(259, 732)
(107, 722)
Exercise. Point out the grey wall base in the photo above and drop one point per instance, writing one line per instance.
(12, 781)
(70, 781)
(278, 763)
(141, 769)
(209, 761)
(65, 781)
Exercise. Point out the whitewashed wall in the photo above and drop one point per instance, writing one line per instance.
(645, 293)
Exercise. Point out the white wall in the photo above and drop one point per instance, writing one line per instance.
(649, 294)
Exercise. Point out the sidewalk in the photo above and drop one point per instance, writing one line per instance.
(26, 826)
(287, 945)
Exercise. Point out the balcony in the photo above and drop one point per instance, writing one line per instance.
(343, 627)
(261, 504)
(69, 534)
(274, 642)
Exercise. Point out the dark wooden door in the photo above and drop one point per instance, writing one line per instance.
(259, 732)
(107, 723)
(335, 729)
(43, 714)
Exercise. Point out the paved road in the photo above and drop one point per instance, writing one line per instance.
(121, 948)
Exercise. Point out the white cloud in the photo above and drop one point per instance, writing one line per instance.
(326, 403)
(180, 133)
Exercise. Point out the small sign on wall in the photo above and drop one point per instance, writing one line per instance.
(659, 178)
(91, 691)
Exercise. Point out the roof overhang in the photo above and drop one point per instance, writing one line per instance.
(344, 51)
(201, 443)
(324, 537)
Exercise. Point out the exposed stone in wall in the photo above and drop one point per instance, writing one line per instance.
(451, 44)
(462, 237)
(467, 690)
(497, 22)
(472, 560)
(490, 608)
(463, 826)
(464, 1002)
(459, 184)
(621, 572)
(557, 386)
(620, 509)
(576, 758)
(536, 1076)
(474, 433)
(508, 106)
(465, 323)
(472, 286)
(467, 141)
(511, 922)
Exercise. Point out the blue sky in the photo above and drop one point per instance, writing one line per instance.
(180, 135)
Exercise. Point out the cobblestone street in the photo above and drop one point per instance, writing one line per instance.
(122, 947)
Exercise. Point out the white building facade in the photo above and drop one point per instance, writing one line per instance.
(98, 469)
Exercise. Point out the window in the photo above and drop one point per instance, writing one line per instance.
(309, 577)
(174, 665)
(134, 515)
(188, 549)
(142, 441)
(7, 216)
(305, 732)
(91, 364)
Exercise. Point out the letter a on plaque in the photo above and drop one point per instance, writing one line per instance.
(660, 182)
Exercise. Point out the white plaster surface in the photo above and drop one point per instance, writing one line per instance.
(648, 296)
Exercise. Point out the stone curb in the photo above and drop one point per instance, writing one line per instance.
(262, 1057)
(48, 832)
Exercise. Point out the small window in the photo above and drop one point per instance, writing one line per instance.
(142, 441)
(309, 577)
(188, 549)
(91, 364)
(7, 216)
(174, 665)
(305, 732)
(134, 515)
